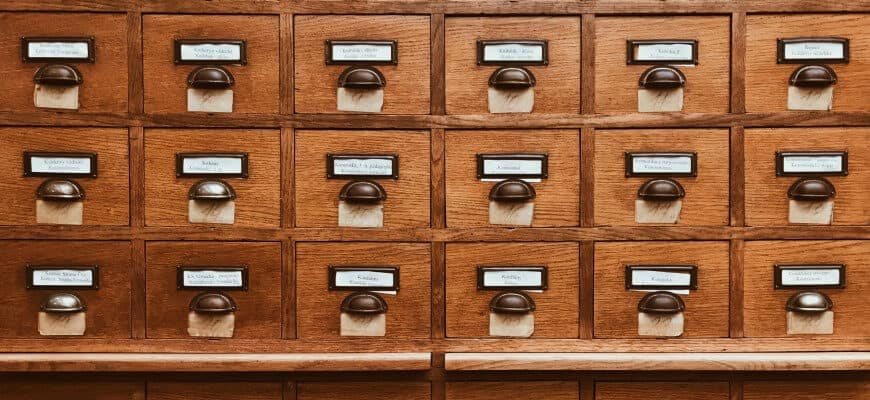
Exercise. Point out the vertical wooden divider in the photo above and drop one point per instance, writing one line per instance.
(587, 388)
(587, 298)
(738, 63)
(285, 73)
(587, 63)
(735, 317)
(288, 177)
(288, 286)
(438, 207)
(587, 177)
(135, 73)
(736, 180)
(437, 65)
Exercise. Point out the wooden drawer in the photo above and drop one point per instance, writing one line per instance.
(805, 390)
(557, 84)
(767, 82)
(616, 307)
(661, 390)
(104, 81)
(319, 309)
(517, 390)
(258, 312)
(108, 306)
(105, 199)
(765, 306)
(767, 200)
(557, 199)
(317, 195)
(556, 307)
(256, 83)
(257, 196)
(211, 390)
(706, 84)
(407, 81)
(706, 197)
(30, 389)
(363, 390)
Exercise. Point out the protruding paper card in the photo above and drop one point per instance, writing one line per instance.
(56, 97)
(511, 325)
(360, 100)
(363, 324)
(59, 212)
(660, 325)
(211, 325)
(61, 324)
(515, 214)
(360, 215)
(811, 212)
(657, 212)
(810, 99)
(210, 100)
(810, 323)
(211, 212)
(659, 100)
(502, 101)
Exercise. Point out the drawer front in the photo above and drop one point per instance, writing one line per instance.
(317, 195)
(210, 390)
(556, 307)
(104, 81)
(517, 390)
(767, 82)
(319, 309)
(706, 197)
(30, 389)
(661, 390)
(363, 390)
(706, 84)
(107, 313)
(557, 84)
(557, 198)
(255, 87)
(407, 81)
(257, 197)
(616, 307)
(767, 199)
(805, 390)
(258, 309)
(105, 199)
(765, 312)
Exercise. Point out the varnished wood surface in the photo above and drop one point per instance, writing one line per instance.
(558, 390)
(382, 390)
(806, 390)
(660, 390)
(224, 390)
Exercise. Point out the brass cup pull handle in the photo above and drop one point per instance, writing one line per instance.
(212, 303)
(213, 190)
(512, 303)
(661, 302)
(366, 78)
(58, 75)
(813, 76)
(512, 78)
(362, 192)
(363, 303)
(210, 77)
(809, 302)
(811, 189)
(62, 303)
(661, 189)
(512, 191)
(662, 77)
(60, 190)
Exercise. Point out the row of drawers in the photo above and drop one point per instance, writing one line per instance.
(405, 67)
(325, 278)
(406, 203)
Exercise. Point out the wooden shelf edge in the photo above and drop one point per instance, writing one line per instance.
(803, 361)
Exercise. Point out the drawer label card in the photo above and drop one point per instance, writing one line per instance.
(62, 277)
(370, 278)
(662, 52)
(512, 52)
(224, 278)
(504, 166)
(207, 51)
(362, 52)
(661, 277)
(661, 164)
(812, 50)
(507, 277)
(60, 164)
(353, 166)
(799, 163)
(809, 276)
(227, 165)
(60, 49)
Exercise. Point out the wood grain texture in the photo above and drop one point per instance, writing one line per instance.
(382, 390)
(106, 196)
(407, 87)
(223, 390)
(258, 197)
(806, 390)
(559, 390)
(707, 84)
(556, 315)
(764, 307)
(408, 314)
(706, 312)
(407, 203)
(91, 389)
(259, 308)
(737, 176)
(256, 86)
(767, 81)
(557, 88)
(661, 390)
(706, 201)
(558, 196)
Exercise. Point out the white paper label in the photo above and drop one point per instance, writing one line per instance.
(63, 277)
(642, 278)
(363, 278)
(213, 278)
(211, 52)
(362, 166)
(512, 278)
(71, 50)
(212, 165)
(810, 277)
(661, 165)
(60, 165)
(810, 164)
(510, 167)
(664, 52)
(362, 52)
(513, 52)
(814, 51)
